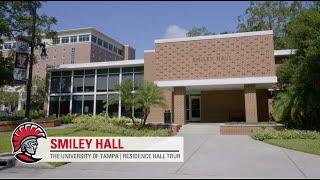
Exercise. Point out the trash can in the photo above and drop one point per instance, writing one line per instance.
(167, 116)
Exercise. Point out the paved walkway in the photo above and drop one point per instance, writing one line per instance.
(207, 155)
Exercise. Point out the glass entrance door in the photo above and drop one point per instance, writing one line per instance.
(195, 108)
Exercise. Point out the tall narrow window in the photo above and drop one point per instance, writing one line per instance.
(89, 80)
(113, 79)
(102, 80)
(77, 104)
(100, 105)
(55, 82)
(113, 109)
(100, 41)
(88, 104)
(73, 54)
(64, 105)
(78, 81)
(66, 82)
(54, 105)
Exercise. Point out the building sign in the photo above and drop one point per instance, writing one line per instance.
(21, 62)
(207, 59)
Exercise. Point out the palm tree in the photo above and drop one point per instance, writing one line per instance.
(144, 96)
(148, 95)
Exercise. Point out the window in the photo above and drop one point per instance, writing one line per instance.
(100, 42)
(110, 47)
(65, 40)
(55, 82)
(115, 49)
(73, 54)
(127, 75)
(83, 38)
(100, 104)
(113, 109)
(89, 80)
(64, 105)
(78, 81)
(13, 45)
(88, 104)
(93, 39)
(113, 79)
(66, 82)
(74, 39)
(119, 51)
(54, 105)
(56, 41)
(77, 104)
(102, 80)
(7, 45)
(105, 44)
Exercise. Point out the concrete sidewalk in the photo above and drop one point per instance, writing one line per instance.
(207, 155)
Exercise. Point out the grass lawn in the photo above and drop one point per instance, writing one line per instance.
(305, 145)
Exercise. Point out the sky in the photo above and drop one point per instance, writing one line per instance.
(140, 23)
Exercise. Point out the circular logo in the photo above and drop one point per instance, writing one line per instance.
(25, 141)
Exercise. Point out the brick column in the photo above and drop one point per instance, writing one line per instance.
(250, 98)
(179, 105)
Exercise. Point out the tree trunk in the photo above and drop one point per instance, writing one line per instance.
(145, 116)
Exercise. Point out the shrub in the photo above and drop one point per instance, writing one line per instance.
(11, 118)
(116, 126)
(67, 119)
(263, 134)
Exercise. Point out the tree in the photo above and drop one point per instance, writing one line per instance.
(195, 31)
(8, 98)
(148, 95)
(16, 22)
(299, 100)
(143, 97)
(38, 94)
(128, 98)
(270, 15)
(6, 70)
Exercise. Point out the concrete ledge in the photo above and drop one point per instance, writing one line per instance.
(246, 129)
(7, 161)
(173, 127)
(11, 125)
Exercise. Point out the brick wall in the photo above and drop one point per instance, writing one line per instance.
(99, 54)
(215, 58)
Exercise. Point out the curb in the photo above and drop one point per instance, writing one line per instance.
(7, 161)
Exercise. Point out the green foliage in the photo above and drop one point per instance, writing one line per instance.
(6, 69)
(8, 98)
(195, 31)
(267, 15)
(262, 134)
(116, 126)
(298, 103)
(148, 95)
(143, 97)
(16, 22)
(67, 119)
(38, 93)
(11, 118)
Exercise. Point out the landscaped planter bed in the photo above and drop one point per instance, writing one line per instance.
(11, 125)
(246, 129)
(173, 127)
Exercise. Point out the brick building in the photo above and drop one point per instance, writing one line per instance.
(216, 78)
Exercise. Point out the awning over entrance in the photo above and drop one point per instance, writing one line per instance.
(266, 82)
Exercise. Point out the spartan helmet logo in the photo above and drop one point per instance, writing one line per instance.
(25, 141)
